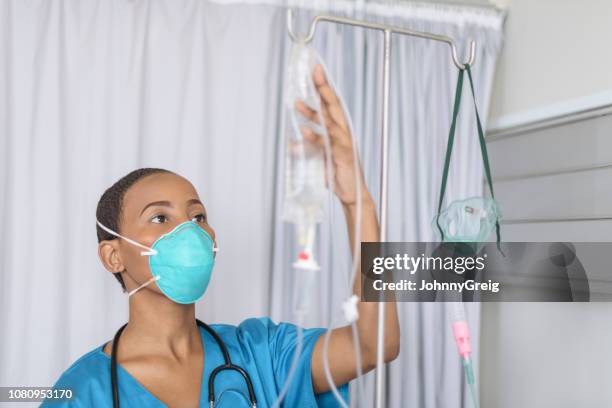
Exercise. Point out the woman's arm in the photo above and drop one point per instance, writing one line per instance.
(341, 353)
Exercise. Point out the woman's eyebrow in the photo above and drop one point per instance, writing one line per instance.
(156, 203)
(194, 201)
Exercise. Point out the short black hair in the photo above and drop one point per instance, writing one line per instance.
(110, 205)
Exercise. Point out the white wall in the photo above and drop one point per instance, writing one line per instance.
(550, 355)
(556, 51)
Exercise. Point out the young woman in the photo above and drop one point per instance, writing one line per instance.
(155, 238)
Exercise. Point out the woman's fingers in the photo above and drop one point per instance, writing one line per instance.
(329, 98)
(308, 113)
(317, 140)
(331, 111)
(312, 136)
(318, 76)
(336, 133)
(312, 115)
(337, 140)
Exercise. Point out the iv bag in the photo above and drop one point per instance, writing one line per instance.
(305, 165)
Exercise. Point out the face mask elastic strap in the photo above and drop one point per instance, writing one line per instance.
(149, 251)
(155, 278)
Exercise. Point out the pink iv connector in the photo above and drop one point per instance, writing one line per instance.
(462, 338)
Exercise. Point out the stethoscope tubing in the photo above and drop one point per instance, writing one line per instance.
(211, 380)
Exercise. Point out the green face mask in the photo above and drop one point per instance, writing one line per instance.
(181, 261)
(475, 218)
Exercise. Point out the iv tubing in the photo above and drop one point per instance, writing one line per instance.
(355, 260)
(296, 358)
(300, 313)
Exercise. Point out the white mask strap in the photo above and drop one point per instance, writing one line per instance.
(155, 278)
(149, 251)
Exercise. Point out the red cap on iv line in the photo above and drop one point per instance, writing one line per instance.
(305, 261)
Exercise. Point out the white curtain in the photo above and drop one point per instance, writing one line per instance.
(92, 89)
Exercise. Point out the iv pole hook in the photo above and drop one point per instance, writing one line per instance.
(471, 59)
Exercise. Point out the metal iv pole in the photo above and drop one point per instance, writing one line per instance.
(388, 31)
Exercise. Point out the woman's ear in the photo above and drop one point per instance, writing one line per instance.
(109, 255)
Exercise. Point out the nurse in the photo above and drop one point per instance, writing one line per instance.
(151, 225)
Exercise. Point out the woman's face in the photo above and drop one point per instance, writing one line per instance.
(152, 207)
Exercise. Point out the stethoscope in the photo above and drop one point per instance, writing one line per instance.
(211, 381)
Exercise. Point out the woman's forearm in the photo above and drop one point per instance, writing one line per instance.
(368, 311)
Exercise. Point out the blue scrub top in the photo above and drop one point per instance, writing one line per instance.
(258, 345)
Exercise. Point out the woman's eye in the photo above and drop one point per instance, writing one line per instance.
(159, 219)
(199, 218)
